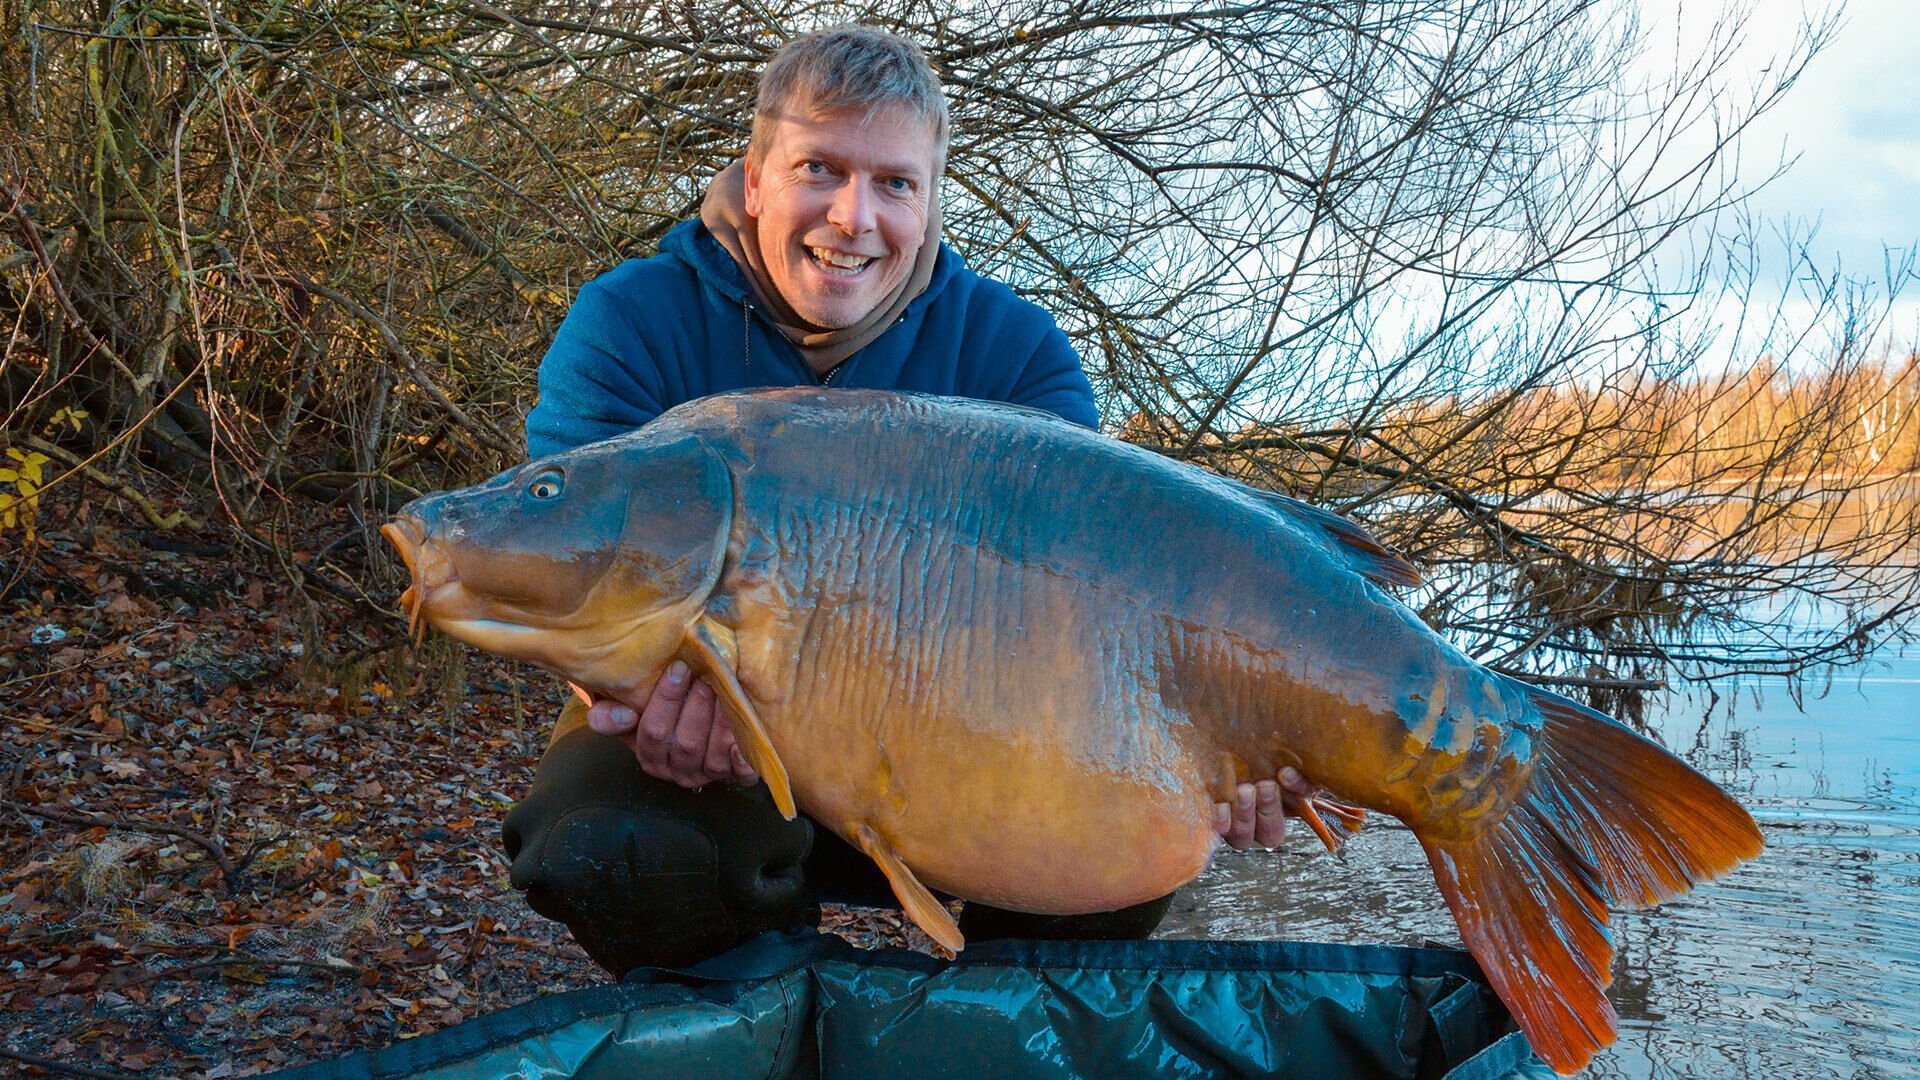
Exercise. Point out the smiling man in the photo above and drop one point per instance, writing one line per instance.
(816, 260)
(842, 203)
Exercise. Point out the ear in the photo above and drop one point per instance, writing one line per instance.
(752, 170)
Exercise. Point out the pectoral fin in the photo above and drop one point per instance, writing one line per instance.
(927, 913)
(711, 645)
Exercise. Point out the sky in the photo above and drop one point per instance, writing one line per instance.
(1854, 122)
(1852, 126)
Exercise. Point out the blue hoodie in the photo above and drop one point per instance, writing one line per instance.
(653, 333)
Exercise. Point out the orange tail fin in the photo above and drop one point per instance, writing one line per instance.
(1607, 817)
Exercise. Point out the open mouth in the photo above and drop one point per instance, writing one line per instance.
(838, 263)
(428, 568)
(438, 594)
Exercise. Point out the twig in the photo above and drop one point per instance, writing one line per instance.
(483, 431)
(48, 725)
(167, 522)
(478, 247)
(63, 1067)
(254, 849)
(93, 342)
(237, 956)
(163, 542)
(31, 232)
(1581, 681)
(229, 872)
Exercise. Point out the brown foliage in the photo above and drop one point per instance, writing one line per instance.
(221, 856)
(1744, 523)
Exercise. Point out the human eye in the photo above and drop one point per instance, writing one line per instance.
(899, 185)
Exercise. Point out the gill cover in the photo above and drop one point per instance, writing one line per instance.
(675, 500)
(672, 550)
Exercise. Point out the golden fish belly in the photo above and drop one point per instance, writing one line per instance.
(1030, 823)
(996, 724)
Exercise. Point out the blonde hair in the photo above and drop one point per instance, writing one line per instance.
(849, 66)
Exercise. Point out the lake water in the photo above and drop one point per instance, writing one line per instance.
(1803, 963)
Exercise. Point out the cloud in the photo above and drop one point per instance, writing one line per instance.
(1852, 123)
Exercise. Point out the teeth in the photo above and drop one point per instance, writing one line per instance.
(839, 261)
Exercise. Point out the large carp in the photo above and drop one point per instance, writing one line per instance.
(1017, 661)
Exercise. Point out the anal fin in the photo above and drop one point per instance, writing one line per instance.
(927, 912)
(711, 645)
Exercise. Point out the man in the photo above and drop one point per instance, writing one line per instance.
(815, 261)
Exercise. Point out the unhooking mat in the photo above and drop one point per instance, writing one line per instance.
(800, 1006)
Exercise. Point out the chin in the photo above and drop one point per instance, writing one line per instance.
(833, 305)
(835, 314)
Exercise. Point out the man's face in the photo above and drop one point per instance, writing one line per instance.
(841, 201)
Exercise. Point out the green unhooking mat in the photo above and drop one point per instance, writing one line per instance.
(810, 1005)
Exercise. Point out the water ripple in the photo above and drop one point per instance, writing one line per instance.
(1804, 963)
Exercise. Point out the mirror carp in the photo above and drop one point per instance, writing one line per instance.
(1018, 661)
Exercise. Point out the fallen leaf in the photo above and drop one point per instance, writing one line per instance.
(245, 973)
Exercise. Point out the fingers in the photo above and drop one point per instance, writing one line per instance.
(1239, 830)
(1295, 784)
(658, 720)
(729, 763)
(724, 761)
(1257, 814)
(1269, 820)
(717, 759)
(609, 717)
(687, 746)
(680, 734)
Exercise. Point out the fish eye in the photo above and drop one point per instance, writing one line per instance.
(546, 485)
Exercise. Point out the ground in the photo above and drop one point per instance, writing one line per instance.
(235, 837)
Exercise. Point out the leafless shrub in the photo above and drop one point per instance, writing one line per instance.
(1414, 259)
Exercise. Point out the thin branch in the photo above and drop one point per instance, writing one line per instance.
(230, 873)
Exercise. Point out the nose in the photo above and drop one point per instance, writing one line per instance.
(852, 208)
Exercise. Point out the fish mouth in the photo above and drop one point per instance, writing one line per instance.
(429, 569)
(437, 595)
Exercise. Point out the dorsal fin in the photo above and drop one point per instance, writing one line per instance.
(1367, 556)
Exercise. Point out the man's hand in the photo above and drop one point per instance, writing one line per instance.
(679, 733)
(1256, 815)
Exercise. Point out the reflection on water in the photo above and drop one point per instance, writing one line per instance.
(1804, 963)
